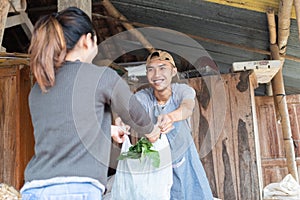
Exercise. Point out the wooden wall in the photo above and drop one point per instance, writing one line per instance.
(271, 140)
(226, 138)
(16, 132)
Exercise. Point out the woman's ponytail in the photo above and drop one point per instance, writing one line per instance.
(47, 50)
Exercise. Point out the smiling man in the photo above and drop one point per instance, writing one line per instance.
(171, 105)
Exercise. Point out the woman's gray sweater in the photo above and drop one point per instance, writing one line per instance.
(72, 122)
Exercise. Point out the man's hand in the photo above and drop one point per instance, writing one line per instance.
(165, 123)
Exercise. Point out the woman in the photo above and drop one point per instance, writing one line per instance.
(70, 107)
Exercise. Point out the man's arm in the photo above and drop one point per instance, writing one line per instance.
(184, 111)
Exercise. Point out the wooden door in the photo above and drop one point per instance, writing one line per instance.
(274, 167)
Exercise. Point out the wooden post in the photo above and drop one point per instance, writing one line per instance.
(85, 5)
(280, 101)
(4, 8)
(116, 14)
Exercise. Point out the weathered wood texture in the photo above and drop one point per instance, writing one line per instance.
(226, 139)
(258, 5)
(274, 166)
(85, 5)
(16, 132)
(4, 8)
(217, 22)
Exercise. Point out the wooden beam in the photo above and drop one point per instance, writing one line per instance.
(20, 19)
(85, 5)
(4, 8)
(280, 102)
(264, 70)
(26, 25)
(116, 14)
(13, 21)
(214, 41)
(254, 5)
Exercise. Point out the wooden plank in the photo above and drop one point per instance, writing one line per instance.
(20, 19)
(271, 139)
(24, 134)
(224, 137)
(13, 21)
(4, 7)
(253, 85)
(85, 5)
(7, 71)
(203, 140)
(265, 70)
(7, 128)
(26, 25)
(230, 162)
(243, 133)
(293, 103)
(255, 5)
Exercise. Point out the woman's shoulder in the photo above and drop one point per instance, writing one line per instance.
(100, 70)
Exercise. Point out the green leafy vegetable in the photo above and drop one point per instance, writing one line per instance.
(140, 150)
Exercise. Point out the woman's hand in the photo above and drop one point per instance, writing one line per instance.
(118, 133)
(154, 135)
(120, 123)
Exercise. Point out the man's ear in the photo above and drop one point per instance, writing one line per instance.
(174, 71)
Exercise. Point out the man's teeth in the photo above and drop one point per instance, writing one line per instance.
(158, 81)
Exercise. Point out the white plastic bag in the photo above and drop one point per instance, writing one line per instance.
(137, 179)
(287, 189)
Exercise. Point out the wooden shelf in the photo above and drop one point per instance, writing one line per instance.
(264, 70)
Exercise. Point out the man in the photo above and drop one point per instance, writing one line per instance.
(171, 105)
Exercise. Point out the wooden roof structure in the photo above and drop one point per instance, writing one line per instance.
(229, 32)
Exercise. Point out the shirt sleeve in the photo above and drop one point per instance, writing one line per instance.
(183, 91)
(125, 104)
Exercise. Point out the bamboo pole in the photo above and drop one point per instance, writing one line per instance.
(280, 100)
(297, 8)
(116, 14)
(284, 21)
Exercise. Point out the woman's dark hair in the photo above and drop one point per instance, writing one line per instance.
(53, 36)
